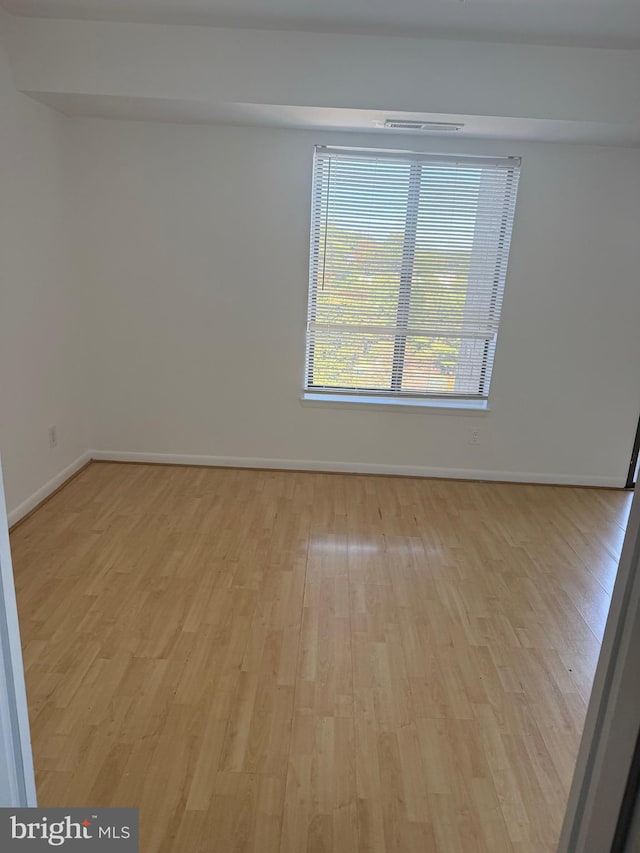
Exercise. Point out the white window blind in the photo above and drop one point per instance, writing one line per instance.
(408, 264)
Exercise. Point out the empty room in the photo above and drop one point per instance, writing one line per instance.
(319, 425)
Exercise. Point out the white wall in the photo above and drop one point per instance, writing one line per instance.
(194, 243)
(41, 363)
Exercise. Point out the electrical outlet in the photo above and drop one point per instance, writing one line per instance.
(53, 436)
(474, 436)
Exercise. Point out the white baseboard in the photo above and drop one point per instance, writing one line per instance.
(356, 468)
(44, 491)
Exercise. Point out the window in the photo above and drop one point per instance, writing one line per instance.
(408, 263)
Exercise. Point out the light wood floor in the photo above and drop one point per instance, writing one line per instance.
(292, 662)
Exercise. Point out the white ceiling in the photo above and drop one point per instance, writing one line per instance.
(606, 23)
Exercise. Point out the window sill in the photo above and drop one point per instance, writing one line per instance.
(463, 407)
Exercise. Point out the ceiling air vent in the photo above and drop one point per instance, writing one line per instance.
(414, 124)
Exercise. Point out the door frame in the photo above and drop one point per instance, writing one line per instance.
(612, 723)
(17, 778)
(633, 465)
